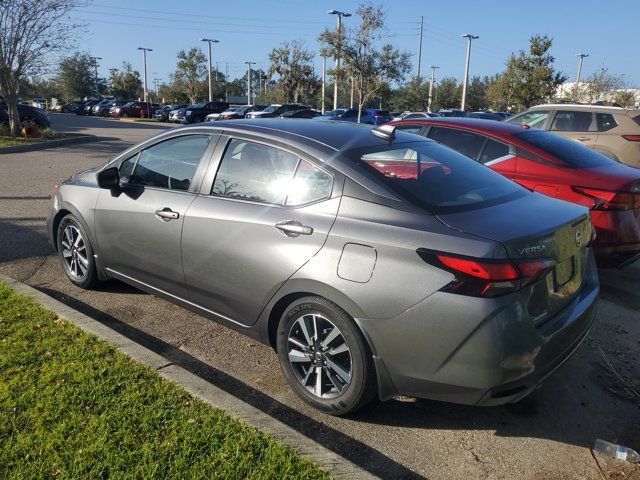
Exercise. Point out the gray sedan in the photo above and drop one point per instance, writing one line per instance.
(376, 262)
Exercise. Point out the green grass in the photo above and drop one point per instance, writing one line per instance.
(72, 406)
(152, 120)
(11, 142)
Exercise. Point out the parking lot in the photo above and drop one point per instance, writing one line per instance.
(595, 395)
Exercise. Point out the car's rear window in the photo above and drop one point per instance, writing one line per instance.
(435, 177)
(570, 152)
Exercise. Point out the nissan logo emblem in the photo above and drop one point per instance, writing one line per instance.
(578, 238)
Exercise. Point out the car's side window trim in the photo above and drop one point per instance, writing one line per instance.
(218, 156)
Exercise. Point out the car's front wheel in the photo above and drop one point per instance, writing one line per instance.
(324, 356)
(76, 254)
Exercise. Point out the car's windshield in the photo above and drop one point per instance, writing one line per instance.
(570, 152)
(271, 109)
(128, 104)
(198, 105)
(435, 177)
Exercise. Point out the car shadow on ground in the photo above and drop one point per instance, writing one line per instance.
(104, 122)
(19, 239)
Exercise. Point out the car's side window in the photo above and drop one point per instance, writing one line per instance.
(493, 150)
(170, 164)
(534, 118)
(126, 168)
(467, 143)
(605, 122)
(571, 121)
(410, 128)
(256, 172)
(310, 184)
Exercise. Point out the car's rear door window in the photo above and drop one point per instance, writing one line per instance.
(572, 121)
(169, 164)
(410, 128)
(467, 143)
(261, 173)
(493, 150)
(435, 177)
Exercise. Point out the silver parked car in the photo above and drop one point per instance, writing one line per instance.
(374, 261)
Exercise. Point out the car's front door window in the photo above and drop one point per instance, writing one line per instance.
(572, 121)
(534, 118)
(170, 164)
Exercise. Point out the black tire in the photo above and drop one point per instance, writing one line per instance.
(89, 278)
(360, 389)
(124, 115)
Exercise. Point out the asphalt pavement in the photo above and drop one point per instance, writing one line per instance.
(596, 394)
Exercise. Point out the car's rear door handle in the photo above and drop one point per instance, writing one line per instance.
(584, 139)
(293, 228)
(165, 214)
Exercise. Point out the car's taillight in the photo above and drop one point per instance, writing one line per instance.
(481, 277)
(632, 138)
(610, 199)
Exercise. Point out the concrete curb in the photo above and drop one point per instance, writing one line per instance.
(48, 144)
(336, 465)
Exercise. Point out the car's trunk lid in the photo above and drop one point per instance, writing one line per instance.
(536, 227)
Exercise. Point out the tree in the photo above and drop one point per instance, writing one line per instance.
(293, 64)
(32, 33)
(477, 94)
(448, 94)
(75, 76)
(413, 96)
(371, 62)
(125, 83)
(624, 98)
(600, 84)
(530, 78)
(191, 74)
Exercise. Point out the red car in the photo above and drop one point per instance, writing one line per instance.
(135, 109)
(553, 165)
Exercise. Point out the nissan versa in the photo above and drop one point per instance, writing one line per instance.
(374, 261)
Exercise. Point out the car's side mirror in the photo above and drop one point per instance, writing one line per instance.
(109, 178)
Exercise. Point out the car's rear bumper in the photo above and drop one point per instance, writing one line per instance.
(476, 351)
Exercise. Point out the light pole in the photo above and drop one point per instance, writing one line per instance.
(581, 56)
(335, 76)
(209, 42)
(469, 38)
(433, 79)
(249, 82)
(95, 69)
(420, 46)
(144, 59)
(324, 79)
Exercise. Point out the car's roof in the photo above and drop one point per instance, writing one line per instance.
(336, 135)
(478, 124)
(589, 108)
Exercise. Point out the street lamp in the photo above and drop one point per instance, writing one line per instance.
(209, 42)
(433, 79)
(95, 67)
(144, 56)
(469, 38)
(335, 76)
(249, 82)
(581, 56)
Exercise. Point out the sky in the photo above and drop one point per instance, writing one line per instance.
(249, 29)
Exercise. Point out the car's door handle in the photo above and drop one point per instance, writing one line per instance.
(165, 214)
(292, 228)
(584, 139)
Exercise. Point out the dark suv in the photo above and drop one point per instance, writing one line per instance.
(371, 116)
(137, 109)
(27, 114)
(275, 110)
(198, 111)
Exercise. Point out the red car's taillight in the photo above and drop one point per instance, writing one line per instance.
(609, 199)
(632, 138)
(480, 277)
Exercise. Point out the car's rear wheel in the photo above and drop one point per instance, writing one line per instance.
(75, 253)
(324, 356)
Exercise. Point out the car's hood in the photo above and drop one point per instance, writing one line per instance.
(84, 177)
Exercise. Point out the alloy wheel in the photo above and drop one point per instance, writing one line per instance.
(74, 252)
(319, 356)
